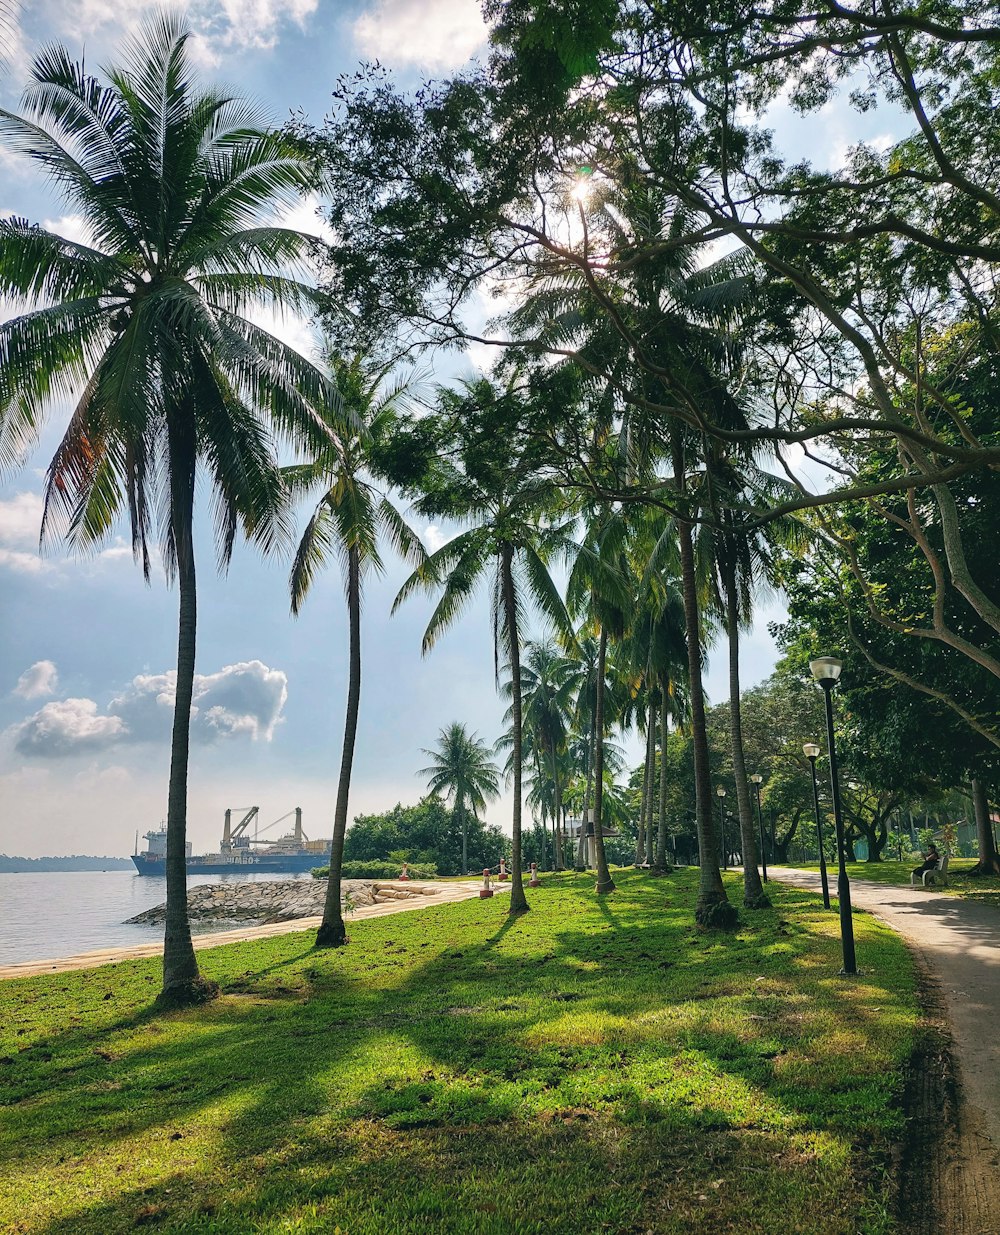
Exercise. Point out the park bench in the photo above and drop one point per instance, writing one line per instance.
(938, 875)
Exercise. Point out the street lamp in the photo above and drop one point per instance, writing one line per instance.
(756, 780)
(826, 671)
(721, 792)
(811, 752)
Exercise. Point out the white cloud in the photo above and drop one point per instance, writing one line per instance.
(23, 563)
(245, 698)
(242, 700)
(433, 34)
(216, 25)
(20, 521)
(40, 680)
(435, 537)
(72, 227)
(255, 23)
(67, 727)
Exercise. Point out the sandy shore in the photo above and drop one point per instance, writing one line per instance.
(432, 894)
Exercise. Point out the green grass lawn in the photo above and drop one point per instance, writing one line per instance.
(590, 1067)
(984, 890)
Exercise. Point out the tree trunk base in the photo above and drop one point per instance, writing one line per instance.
(661, 870)
(759, 901)
(517, 907)
(331, 935)
(602, 889)
(717, 915)
(984, 868)
(187, 994)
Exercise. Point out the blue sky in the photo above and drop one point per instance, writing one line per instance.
(87, 647)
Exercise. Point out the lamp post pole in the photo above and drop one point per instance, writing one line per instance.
(811, 751)
(756, 780)
(721, 792)
(826, 670)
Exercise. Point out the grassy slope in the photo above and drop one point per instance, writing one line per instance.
(984, 890)
(589, 1067)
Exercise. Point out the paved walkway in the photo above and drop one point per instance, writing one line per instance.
(959, 941)
(430, 894)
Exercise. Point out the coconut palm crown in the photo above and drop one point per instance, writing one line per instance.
(350, 519)
(461, 769)
(146, 328)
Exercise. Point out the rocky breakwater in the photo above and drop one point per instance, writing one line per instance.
(279, 900)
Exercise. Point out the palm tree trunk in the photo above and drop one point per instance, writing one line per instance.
(660, 863)
(581, 847)
(182, 983)
(640, 837)
(650, 801)
(332, 932)
(713, 908)
(557, 811)
(518, 901)
(754, 896)
(604, 881)
(460, 804)
(545, 839)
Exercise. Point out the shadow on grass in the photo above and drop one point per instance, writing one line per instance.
(396, 1067)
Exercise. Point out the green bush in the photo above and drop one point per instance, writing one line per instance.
(373, 868)
(427, 833)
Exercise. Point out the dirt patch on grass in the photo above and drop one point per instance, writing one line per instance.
(948, 1165)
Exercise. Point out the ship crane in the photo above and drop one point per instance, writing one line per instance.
(235, 838)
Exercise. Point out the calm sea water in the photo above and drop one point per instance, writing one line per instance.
(52, 914)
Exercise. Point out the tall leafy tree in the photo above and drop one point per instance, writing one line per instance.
(148, 327)
(349, 520)
(462, 770)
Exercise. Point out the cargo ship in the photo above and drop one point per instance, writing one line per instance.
(240, 853)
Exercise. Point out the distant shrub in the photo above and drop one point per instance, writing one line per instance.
(374, 868)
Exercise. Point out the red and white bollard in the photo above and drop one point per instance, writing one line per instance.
(503, 876)
(404, 875)
(534, 881)
(485, 890)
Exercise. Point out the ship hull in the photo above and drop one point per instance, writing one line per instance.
(244, 864)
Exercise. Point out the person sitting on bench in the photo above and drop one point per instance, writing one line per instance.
(932, 860)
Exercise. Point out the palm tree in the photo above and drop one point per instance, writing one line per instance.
(598, 585)
(546, 693)
(349, 519)
(659, 652)
(743, 564)
(463, 771)
(583, 655)
(511, 507)
(146, 328)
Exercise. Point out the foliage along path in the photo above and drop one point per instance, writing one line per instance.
(959, 943)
